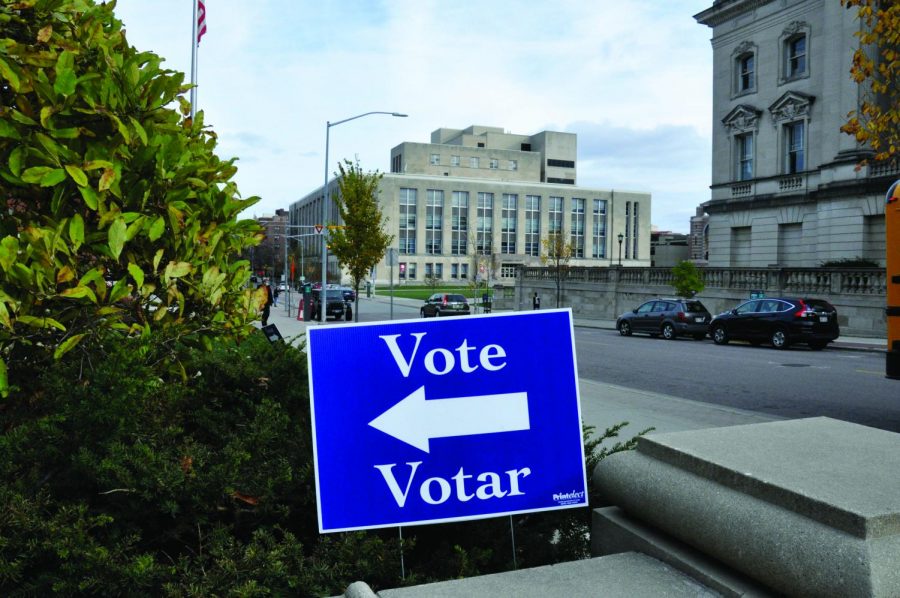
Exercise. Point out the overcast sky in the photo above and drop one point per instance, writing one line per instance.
(631, 78)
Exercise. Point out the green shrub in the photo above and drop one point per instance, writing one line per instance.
(114, 480)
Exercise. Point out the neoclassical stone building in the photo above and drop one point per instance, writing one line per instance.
(785, 185)
(476, 203)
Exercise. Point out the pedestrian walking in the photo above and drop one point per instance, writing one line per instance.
(268, 302)
(275, 296)
(536, 301)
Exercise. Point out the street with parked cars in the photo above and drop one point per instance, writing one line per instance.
(778, 321)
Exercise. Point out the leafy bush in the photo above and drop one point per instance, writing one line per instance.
(118, 215)
(687, 280)
(850, 262)
(116, 481)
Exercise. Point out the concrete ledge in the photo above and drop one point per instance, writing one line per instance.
(612, 531)
(807, 507)
(628, 575)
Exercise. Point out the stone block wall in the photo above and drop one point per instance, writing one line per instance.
(858, 294)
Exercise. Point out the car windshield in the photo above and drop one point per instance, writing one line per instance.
(329, 294)
(456, 299)
(694, 306)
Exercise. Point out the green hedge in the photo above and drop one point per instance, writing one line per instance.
(115, 481)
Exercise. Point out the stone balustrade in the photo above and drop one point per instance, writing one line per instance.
(859, 294)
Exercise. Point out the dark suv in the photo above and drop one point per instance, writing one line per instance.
(335, 305)
(445, 304)
(669, 318)
(781, 321)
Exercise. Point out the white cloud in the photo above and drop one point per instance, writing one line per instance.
(633, 79)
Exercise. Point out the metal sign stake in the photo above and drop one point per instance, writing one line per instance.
(512, 534)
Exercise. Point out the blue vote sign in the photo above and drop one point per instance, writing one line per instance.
(447, 419)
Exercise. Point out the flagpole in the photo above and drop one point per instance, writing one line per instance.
(194, 45)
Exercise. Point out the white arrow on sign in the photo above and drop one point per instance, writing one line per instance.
(415, 421)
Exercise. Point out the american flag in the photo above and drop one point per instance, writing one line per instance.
(201, 20)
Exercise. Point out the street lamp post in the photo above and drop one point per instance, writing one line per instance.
(328, 126)
(621, 238)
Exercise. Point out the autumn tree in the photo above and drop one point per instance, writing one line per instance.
(557, 251)
(118, 215)
(361, 242)
(875, 67)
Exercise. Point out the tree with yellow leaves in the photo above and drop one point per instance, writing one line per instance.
(875, 67)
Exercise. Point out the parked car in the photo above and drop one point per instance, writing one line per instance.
(335, 305)
(780, 321)
(666, 317)
(445, 304)
(349, 294)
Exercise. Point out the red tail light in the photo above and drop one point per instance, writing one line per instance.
(681, 317)
(801, 310)
(445, 300)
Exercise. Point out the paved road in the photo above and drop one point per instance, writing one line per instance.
(846, 385)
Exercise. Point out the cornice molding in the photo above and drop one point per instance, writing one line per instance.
(724, 10)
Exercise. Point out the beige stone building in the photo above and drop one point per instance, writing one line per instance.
(785, 188)
(475, 204)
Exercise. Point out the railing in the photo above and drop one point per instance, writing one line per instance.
(884, 168)
(793, 281)
(790, 183)
(741, 190)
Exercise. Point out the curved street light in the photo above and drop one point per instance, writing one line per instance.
(328, 125)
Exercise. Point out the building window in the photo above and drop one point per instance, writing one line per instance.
(744, 152)
(554, 223)
(402, 270)
(407, 224)
(473, 162)
(794, 146)
(429, 269)
(795, 57)
(514, 165)
(561, 163)
(439, 271)
(454, 160)
(464, 271)
(434, 218)
(598, 249)
(435, 159)
(396, 162)
(494, 164)
(411, 270)
(485, 224)
(627, 231)
(533, 225)
(508, 223)
(454, 271)
(577, 227)
(508, 270)
(745, 73)
(459, 223)
(634, 230)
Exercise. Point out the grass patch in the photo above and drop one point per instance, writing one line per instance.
(424, 292)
